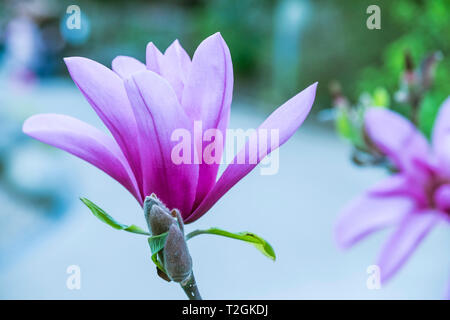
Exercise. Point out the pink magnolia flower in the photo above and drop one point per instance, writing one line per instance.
(142, 104)
(414, 200)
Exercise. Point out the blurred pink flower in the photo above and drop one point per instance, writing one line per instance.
(142, 105)
(415, 199)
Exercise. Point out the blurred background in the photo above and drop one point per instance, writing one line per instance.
(277, 48)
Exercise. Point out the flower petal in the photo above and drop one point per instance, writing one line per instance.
(442, 198)
(209, 87)
(286, 119)
(441, 136)
(85, 142)
(400, 185)
(399, 247)
(176, 67)
(106, 93)
(159, 114)
(207, 97)
(126, 66)
(153, 58)
(395, 136)
(369, 213)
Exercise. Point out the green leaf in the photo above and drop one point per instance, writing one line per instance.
(347, 129)
(343, 124)
(135, 229)
(381, 97)
(156, 244)
(262, 245)
(106, 218)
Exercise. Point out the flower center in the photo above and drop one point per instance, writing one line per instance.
(438, 194)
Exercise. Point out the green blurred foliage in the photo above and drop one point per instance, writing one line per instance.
(335, 42)
(425, 28)
(348, 128)
(399, 78)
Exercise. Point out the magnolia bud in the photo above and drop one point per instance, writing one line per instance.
(177, 260)
(158, 220)
(176, 214)
(175, 256)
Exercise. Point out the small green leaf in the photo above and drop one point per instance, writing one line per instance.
(343, 124)
(156, 244)
(347, 129)
(262, 245)
(135, 229)
(106, 218)
(381, 97)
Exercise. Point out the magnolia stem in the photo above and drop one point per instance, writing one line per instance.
(190, 288)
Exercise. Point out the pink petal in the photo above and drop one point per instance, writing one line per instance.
(441, 136)
(176, 67)
(105, 91)
(397, 184)
(158, 114)
(85, 142)
(369, 213)
(399, 247)
(400, 185)
(395, 136)
(207, 97)
(442, 198)
(153, 58)
(287, 119)
(126, 66)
